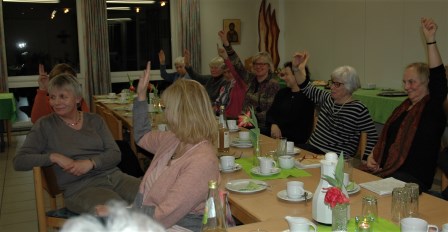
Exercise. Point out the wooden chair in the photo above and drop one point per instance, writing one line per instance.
(114, 124)
(45, 181)
(362, 144)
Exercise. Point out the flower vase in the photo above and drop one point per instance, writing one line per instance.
(257, 151)
(339, 218)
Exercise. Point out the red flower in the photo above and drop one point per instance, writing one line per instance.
(131, 88)
(245, 120)
(335, 196)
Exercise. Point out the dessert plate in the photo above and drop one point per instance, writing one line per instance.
(246, 186)
(235, 168)
(256, 171)
(354, 189)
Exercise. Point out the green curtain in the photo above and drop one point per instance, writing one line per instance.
(96, 48)
(3, 66)
(190, 30)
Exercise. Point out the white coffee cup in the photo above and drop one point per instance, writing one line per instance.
(289, 147)
(300, 224)
(232, 124)
(112, 95)
(415, 225)
(244, 135)
(227, 162)
(161, 127)
(445, 227)
(295, 189)
(266, 164)
(286, 161)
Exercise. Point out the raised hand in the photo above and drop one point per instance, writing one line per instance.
(223, 36)
(299, 62)
(162, 57)
(143, 82)
(429, 29)
(43, 78)
(222, 52)
(187, 58)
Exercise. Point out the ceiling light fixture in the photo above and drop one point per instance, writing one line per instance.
(137, 10)
(131, 1)
(66, 10)
(53, 14)
(162, 3)
(119, 8)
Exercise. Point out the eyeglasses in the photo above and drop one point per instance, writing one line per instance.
(259, 64)
(335, 83)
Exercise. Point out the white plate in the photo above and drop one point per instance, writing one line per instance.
(240, 186)
(241, 145)
(256, 171)
(295, 151)
(241, 141)
(234, 169)
(234, 130)
(305, 166)
(284, 196)
(354, 190)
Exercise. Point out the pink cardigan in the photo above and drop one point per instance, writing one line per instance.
(182, 188)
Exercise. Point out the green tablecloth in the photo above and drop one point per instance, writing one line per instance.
(380, 108)
(246, 163)
(8, 109)
(382, 225)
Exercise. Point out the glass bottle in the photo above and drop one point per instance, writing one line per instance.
(339, 218)
(222, 116)
(224, 134)
(213, 219)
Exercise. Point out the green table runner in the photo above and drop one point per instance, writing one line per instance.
(246, 163)
(382, 225)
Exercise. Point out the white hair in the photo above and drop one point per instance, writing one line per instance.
(120, 219)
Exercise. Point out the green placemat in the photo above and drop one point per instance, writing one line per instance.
(246, 163)
(382, 225)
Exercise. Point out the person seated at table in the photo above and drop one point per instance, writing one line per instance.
(212, 82)
(41, 105)
(341, 118)
(179, 64)
(231, 95)
(409, 143)
(175, 185)
(80, 149)
(292, 113)
(261, 81)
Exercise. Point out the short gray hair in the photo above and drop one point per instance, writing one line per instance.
(65, 81)
(179, 60)
(348, 76)
(217, 62)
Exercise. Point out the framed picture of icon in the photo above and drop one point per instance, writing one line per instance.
(233, 29)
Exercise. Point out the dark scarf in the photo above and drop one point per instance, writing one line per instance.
(399, 149)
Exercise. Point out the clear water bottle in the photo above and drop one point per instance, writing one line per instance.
(214, 219)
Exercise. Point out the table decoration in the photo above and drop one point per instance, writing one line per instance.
(247, 165)
(250, 120)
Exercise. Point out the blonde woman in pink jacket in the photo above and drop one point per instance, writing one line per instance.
(175, 186)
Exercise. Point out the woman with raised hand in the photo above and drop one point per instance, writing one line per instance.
(179, 65)
(175, 186)
(409, 144)
(341, 118)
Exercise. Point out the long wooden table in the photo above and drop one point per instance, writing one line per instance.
(263, 210)
(268, 212)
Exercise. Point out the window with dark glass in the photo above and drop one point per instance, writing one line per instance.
(40, 33)
(137, 32)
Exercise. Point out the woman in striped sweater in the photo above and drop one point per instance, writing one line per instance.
(341, 118)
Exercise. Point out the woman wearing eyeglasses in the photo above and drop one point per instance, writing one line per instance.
(262, 86)
(341, 118)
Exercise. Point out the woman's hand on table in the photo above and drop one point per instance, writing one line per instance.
(372, 164)
(275, 131)
(143, 83)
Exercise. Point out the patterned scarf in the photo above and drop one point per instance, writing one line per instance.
(399, 149)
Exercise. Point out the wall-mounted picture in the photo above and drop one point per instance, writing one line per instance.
(233, 28)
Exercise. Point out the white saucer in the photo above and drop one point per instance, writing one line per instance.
(235, 168)
(284, 196)
(238, 140)
(355, 189)
(241, 145)
(234, 130)
(295, 151)
(256, 171)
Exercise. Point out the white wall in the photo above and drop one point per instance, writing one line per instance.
(377, 37)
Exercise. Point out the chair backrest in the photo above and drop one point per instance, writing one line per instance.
(45, 181)
(362, 144)
(99, 109)
(114, 124)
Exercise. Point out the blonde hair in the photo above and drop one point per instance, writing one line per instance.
(265, 57)
(189, 112)
(61, 68)
(422, 70)
(217, 62)
(179, 60)
(67, 82)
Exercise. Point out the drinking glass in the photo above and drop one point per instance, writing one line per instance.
(281, 146)
(348, 167)
(399, 204)
(413, 195)
(370, 207)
